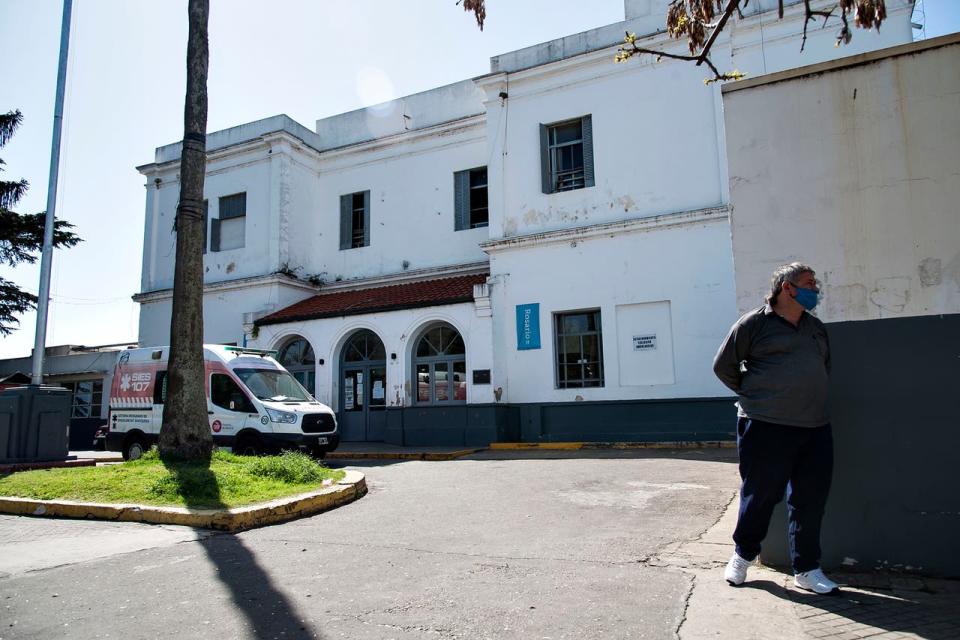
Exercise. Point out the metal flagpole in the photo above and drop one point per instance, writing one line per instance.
(46, 258)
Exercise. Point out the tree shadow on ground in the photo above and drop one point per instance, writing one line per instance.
(267, 610)
(194, 482)
(926, 614)
(269, 613)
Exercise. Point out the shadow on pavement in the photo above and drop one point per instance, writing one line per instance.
(267, 610)
(917, 612)
(269, 613)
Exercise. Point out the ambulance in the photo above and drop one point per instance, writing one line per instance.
(254, 405)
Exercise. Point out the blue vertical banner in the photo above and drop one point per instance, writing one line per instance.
(528, 326)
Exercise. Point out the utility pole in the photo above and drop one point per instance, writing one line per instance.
(46, 258)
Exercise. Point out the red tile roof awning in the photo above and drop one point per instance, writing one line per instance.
(412, 295)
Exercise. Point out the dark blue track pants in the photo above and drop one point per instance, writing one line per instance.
(774, 458)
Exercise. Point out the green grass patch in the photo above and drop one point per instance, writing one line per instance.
(229, 481)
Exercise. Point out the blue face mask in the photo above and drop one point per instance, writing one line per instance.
(807, 297)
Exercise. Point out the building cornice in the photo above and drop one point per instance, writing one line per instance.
(417, 275)
(273, 279)
(264, 141)
(276, 279)
(632, 225)
(408, 137)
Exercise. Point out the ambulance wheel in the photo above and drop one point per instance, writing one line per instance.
(248, 445)
(134, 447)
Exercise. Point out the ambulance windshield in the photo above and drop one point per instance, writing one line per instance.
(273, 384)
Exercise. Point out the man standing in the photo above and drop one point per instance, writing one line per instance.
(777, 360)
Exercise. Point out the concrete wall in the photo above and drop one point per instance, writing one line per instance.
(863, 186)
(870, 193)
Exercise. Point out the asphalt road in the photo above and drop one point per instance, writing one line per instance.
(492, 546)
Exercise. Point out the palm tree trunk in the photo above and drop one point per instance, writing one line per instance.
(186, 432)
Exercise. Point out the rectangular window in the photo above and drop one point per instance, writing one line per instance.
(355, 220)
(228, 231)
(87, 398)
(470, 199)
(566, 155)
(579, 349)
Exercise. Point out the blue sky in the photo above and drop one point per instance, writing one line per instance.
(308, 59)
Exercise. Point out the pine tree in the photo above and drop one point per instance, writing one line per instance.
(21, 236)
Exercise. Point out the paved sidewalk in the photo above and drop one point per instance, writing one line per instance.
(871, 605)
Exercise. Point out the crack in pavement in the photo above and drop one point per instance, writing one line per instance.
(686, 604)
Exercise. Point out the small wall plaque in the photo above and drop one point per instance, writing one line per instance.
(481, 376)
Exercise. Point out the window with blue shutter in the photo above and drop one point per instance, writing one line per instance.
(566, 155)
(228, 231)
(355, 220)
(470, 199)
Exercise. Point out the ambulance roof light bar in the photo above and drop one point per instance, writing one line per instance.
(253, 352)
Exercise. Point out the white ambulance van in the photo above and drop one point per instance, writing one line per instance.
(254, 404)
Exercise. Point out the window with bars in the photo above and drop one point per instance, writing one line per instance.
(579, 349)
(355, 220)
(470, 199)
(566, 155)
(87, 398)
(228, 230)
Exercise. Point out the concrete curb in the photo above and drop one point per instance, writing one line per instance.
(576, 446)
(352, 487)
(400, 455)
(14, 467)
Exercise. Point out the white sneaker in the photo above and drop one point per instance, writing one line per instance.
(736, 571)
(815, 581)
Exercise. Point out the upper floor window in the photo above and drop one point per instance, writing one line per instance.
(579, 349)
(229, 230)
(470, 199)
(566, 155)
(355, 220)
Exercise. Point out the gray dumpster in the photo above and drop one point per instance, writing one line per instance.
(34, 424)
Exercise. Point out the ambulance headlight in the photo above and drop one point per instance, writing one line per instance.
(282, 416)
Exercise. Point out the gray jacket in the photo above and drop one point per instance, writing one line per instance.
(779, 371)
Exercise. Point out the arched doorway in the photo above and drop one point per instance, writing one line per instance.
(440, 367)
(363, 389)
(297, 357)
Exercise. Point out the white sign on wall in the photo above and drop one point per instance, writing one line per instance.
(645, 342)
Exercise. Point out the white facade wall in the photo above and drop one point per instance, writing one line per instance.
(399, 331)
(884, 235)
(410, 179)
(632, 275)
(248, 171)
(659, 148)
(658, 136)
(224, 309)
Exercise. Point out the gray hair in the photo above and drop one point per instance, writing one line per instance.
(786, 273)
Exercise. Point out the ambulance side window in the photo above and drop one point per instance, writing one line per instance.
(160, 388)
(227, 394)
